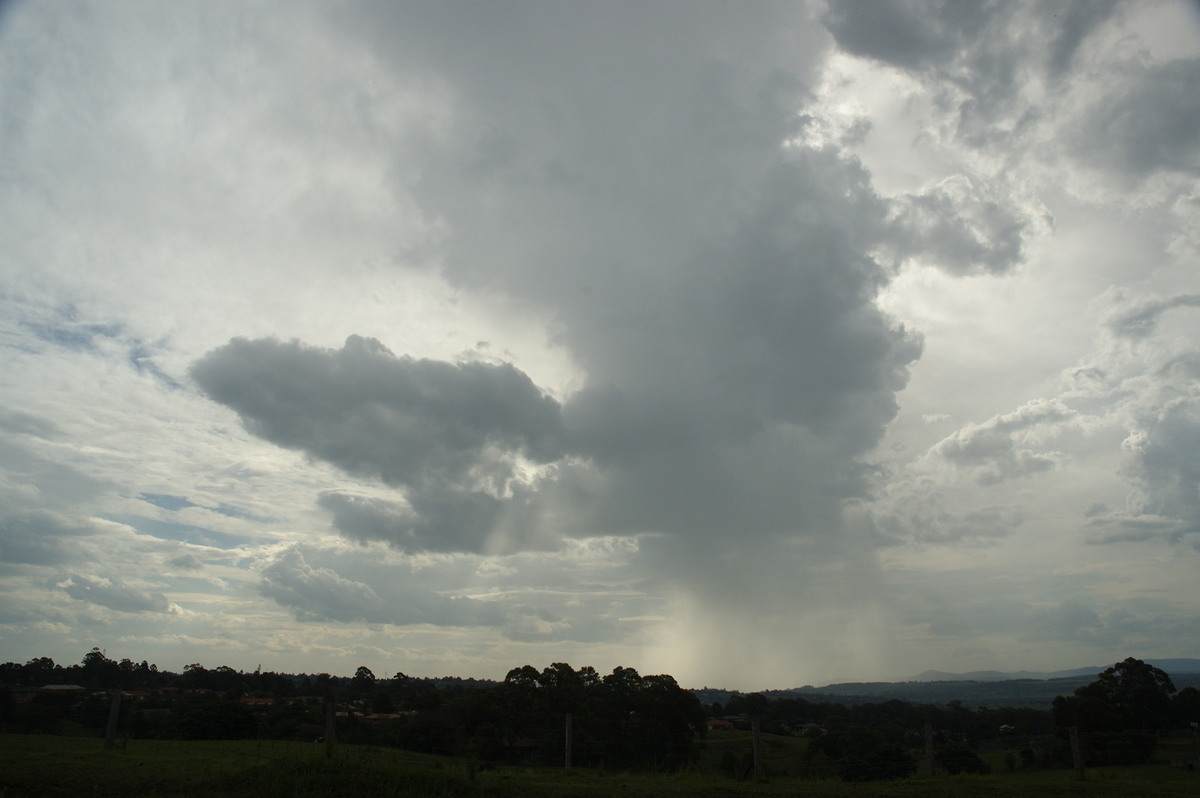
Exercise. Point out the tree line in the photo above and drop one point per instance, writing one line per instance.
(560, 714)
(620, 719)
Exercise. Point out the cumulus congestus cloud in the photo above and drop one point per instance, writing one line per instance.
(684, 333)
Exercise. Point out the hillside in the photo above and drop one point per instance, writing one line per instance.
(983, 688)
(1175, 667)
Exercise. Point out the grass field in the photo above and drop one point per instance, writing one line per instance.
(79, 767)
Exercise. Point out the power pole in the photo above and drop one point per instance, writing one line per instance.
(567, 752)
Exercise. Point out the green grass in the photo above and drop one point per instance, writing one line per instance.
(79, 767)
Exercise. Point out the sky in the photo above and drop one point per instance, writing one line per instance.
(762, 344)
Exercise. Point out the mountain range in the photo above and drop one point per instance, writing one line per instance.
(1171, 666)
(1036, 689)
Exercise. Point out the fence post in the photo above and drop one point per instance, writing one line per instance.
(758, 763)
(114, 714)
(1076, 751)
(330, 727)
(929, 747)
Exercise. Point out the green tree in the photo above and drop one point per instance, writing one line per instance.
(1186, 706)
(1135, 695)
(363, 682)
(1117, 713)
(861, 754)
(99, 670)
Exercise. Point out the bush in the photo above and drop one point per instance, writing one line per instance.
(955, 759)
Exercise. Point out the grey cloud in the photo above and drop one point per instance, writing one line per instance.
(906, 33)
(1163, 461)
(41, 537)
(1122, 527)
(1141, 321)
(319, 593)
(978, 45)
(920, 515)
(449, 434)
(957, 227)
(969, 616)
(365, 519)
(188, 562)
(72, 335)
(28, 424)
(719, 385)
(577, 593)
(1153, 125)
(56, 484)
(976, 56)
(114, 594)
(1069, 620)
(437, 520)
(362, 408)
(1075, 20)
(713, 283)
(1132, 623)
(995, 448)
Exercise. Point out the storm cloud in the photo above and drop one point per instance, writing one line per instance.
(755, 343)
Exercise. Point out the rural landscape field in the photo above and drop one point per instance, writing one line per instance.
(104, 727)
(74, 766)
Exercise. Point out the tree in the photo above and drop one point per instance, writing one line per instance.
(364, 680)
(861, 754)
(99, 670)
(1135, 695)
(1117, 713)
(955, 759)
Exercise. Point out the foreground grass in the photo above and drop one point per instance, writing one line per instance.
(79, 767)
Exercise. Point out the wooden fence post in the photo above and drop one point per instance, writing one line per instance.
(758, 763)
(330, 727)
(1076, 751)
(929, 748)
(114, 714)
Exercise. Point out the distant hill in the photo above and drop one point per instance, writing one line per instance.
(1002, 676)
(983, 688)
(1171, 666)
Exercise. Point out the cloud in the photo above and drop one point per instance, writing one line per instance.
(906, 33)
(28, 424)
(460, 439)
(959, 227)
(918, 512)
(1141, 321)
(187, 562)
(42, 537)
(437, 520)
(1143, 382)
(996, 449)
(1151, 125)
(322, 594)
(369, 412)
(114, 594)
(688, 238)
(1162, 462)
(982, 50)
